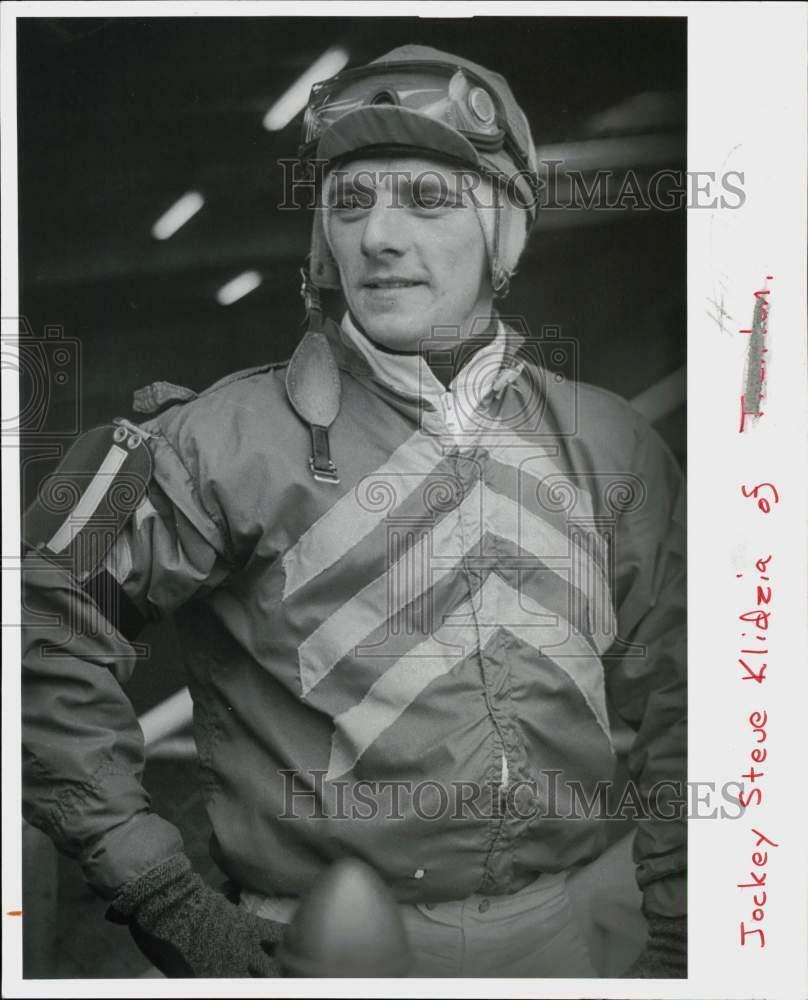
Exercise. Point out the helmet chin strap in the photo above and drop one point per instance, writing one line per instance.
(500, 275)
(311, 298)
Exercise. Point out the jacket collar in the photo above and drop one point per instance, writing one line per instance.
(410, 377)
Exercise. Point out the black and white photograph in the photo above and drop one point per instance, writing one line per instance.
(352, 448)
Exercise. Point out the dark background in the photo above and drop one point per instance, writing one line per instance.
(118, 117)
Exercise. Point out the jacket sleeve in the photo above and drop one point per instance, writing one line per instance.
(83, 752)
(646, 680)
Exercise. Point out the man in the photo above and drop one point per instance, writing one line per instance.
(417, 581)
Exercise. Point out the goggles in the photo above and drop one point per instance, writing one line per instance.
(456, 98)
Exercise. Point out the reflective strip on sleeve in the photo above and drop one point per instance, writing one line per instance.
(90, 499)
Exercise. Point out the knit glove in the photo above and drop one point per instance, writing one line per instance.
(665, 953)
(188, 930)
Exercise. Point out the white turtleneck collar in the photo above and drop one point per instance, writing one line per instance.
(410, 375)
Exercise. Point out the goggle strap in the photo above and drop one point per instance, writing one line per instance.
(504, 138)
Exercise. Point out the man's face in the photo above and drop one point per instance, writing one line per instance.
(410, 249)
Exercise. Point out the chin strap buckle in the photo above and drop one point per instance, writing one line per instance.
(322, 468)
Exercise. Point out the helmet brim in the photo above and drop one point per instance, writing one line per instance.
(376, 131)
(393, 131)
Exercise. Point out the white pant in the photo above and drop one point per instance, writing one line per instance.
(582, 924)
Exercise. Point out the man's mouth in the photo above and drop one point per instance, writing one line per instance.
(385, 283)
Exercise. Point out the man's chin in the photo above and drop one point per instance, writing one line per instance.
(398, 337)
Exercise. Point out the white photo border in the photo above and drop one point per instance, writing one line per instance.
(746, 111)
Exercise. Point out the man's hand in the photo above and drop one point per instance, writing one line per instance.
(188, 930)
(665, 954)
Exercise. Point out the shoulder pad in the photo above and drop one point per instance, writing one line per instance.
(81, 507)
(158, 396)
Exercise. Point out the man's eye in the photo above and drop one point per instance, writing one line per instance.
(353, 201)
(433, 199)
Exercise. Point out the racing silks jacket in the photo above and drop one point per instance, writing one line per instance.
(423, 665)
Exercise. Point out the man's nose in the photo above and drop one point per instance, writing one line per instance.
(384, 230)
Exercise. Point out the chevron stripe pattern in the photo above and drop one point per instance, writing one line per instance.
(467, 546)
